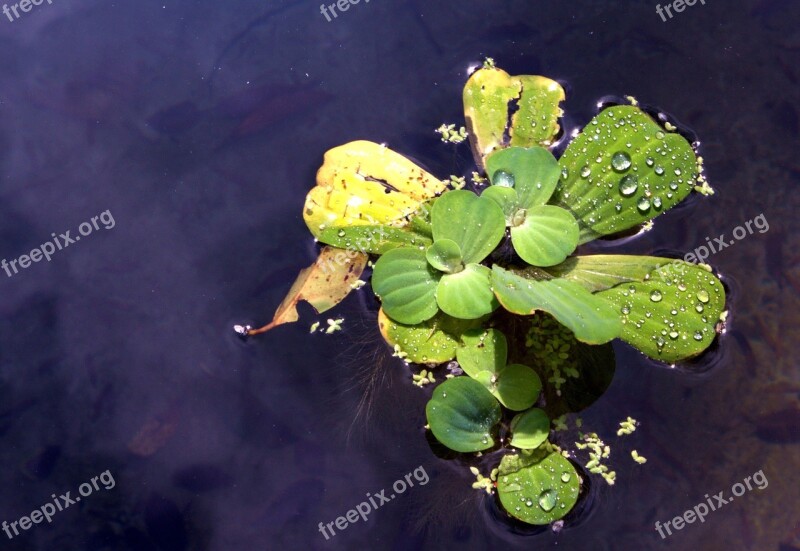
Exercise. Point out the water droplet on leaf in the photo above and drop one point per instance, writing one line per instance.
(628, 185)
(503, 179)
(621, 161)
(656, 296)
(547, 500)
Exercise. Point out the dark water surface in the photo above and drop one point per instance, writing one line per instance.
(199, 127)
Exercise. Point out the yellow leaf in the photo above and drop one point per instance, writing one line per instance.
(365, 183)
(323, 285)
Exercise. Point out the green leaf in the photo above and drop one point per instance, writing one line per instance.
(373, 239)
(622, 170)
(506, 198)
(603, 271)
(476, 225)
(434, 341)
(530, 429)
(546, 237)
(468, 293)
(482, 350)
(406, 285)
(517, 386)
(594, 321)
(537, 491)
(483, 357)
(461, 414)
(672, 313)
(532, 172)
(527, 105)
(445, 256)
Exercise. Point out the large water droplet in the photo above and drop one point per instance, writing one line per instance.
(643, 205)
(628, 185)
(702, 296)
(656, 295)
(547, 500)
(621, 161)
(565, 477)
(586, 172)
(503, 179)
(673, 335)
(659, 170)
(698, 336)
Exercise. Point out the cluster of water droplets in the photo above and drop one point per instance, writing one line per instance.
(545, 493)
(687, 319)
(650, 186)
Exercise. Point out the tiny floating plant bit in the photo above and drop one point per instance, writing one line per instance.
(493, 279)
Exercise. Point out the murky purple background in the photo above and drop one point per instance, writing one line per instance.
(200, 126)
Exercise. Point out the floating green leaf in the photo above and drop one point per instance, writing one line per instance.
(517, 386)
(672, 314)
(434, 341)
(533, 173)
(373, 239)
(406, 285)
(475, 224)
(530, 429)
(506, 198)
(622, 170)
(445, 256)
(603, 271)
(537, 491)
(528, 106)
(546, 236)
(482, 350)
(462, 414)
(594, 321)
(467, 294)
(483, 356)
(658, 300)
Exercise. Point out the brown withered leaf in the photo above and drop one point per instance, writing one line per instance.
(323, 285)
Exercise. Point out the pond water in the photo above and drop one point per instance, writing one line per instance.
(178, 139)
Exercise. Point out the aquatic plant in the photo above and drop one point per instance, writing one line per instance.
(488, 275)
